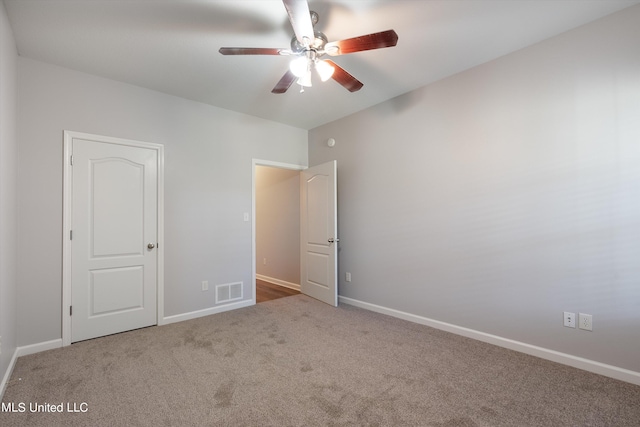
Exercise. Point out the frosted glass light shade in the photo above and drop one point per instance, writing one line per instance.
(299, 66)
(305, 80)
(324, 70)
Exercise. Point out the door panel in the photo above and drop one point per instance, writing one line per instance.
(318, 221)
(318, 269)
(318, 210)
(114, 218)
(116, 290)
(117, 221)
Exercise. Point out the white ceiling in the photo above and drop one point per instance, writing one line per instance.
(172, 46)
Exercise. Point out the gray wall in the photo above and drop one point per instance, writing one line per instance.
(8, 167)
(208, 173)
(278, 223)
(502, 196)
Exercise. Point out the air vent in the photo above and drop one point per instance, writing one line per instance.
(229, 292)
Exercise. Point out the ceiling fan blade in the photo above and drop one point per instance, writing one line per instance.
(252, 51)
(379, 40)
(285, 83)
(300, 18)
(345, 79)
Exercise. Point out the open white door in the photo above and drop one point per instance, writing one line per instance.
(318, 233)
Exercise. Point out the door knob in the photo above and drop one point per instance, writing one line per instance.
(151, 246)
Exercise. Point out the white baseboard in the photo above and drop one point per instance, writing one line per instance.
(37, 348)
(278, 282)
(207, 311)
(544, 353)
(7, 374)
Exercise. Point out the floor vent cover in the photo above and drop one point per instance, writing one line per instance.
(228, 292)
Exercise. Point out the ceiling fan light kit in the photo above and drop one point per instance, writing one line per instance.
(309, 46)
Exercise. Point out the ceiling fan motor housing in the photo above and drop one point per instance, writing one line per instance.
(317, 44)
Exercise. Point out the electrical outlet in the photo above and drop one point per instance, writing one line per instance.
(264, 261)
(347, 277)
(585, 322)
(205, 285)
(569, 319)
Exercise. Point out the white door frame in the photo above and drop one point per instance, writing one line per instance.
(67, 223)
(254, 163)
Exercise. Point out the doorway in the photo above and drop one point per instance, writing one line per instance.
(318, 244)
(276, 204)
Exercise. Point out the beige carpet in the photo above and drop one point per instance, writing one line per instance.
(298, 362)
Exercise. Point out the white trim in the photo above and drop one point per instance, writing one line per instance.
(160, 236)
(66, 244)
(39, 347)
(207, 312)
(544, 353)
(283, 283)
(254, 163)
(7, 374)
(67, 223)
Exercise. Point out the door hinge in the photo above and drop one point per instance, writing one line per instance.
(70, 310)
(70, 234)
(71, 160)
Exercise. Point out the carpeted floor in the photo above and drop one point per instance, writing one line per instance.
(297, 362)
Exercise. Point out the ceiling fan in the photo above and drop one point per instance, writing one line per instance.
(309, 46)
